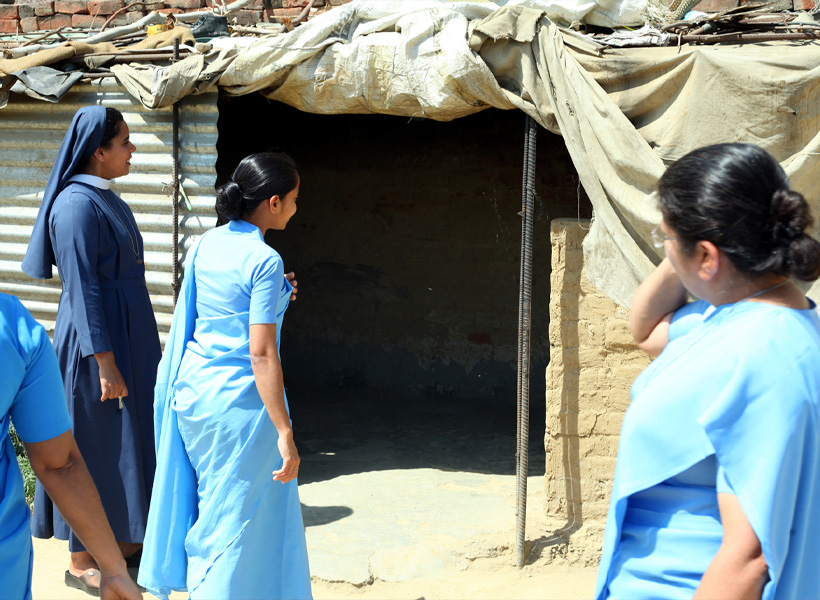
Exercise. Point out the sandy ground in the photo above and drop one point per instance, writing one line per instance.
(407, 500)
(490, 578)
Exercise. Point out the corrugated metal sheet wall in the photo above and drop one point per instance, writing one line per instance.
(30, 135)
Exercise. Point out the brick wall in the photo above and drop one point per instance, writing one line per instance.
(25, 16)
(593, 362)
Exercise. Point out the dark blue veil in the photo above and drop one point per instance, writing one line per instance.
(82, 139)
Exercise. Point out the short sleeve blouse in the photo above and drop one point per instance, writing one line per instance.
(31, 389)
(237, 272)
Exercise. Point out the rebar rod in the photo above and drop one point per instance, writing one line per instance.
(524, 328)
(175, 184)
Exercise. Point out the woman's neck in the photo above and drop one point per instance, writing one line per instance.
(773, 289)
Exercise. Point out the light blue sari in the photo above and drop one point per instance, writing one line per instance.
(219, 526)
(739, 383)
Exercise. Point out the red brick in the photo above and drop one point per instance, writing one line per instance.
(44, 9)
(29, 24)
(70, 7)
(9, 25)
(245, 17)
(103, 7)
(25, 10)
(8, 11)
(255, 5)
(170, 11)
(299, 3)
(184, 4)
(126, 18)
(55, 21)
(117, 21)
(153, 6)
(87, 21)
(803, 5)
(133, 16)
(290, 13)
(717, 5)
(340, 2)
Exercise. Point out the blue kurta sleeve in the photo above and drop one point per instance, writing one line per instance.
(722, 484)
(267, 280)
(687, 317)
(38, 411)
(76, 231)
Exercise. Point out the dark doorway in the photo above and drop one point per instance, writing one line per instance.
(406, 247)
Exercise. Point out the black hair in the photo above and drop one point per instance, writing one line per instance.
(738, 197)
(113, 124)
(258, 177)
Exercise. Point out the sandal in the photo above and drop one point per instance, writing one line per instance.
(83, 582)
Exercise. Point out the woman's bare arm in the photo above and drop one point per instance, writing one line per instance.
(267, 371)
(653, 304)
(60, 467)
(739, 570)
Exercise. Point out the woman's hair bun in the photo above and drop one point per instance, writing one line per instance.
(229, 201)
(790, 215)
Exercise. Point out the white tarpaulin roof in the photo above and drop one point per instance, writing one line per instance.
(622, 113)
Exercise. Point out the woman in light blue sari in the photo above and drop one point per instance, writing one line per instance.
(225, 519)
(718, 476)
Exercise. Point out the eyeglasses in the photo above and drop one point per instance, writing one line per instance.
(658, 237)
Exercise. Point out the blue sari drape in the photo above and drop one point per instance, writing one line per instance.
(218, 525)
(744, 386)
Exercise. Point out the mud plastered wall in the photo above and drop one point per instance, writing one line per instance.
(593, 362)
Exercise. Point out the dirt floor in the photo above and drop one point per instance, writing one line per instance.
(407, 499)
(492, 578)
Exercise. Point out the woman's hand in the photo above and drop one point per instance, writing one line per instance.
(118, 586)
(290, 459)
(111, 381)
(291, 277)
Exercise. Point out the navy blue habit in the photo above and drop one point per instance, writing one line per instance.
(90, 234)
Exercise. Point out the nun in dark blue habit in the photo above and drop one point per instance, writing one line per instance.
(105, 335)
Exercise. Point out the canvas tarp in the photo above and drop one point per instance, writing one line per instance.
(626, 114)
(623, 113)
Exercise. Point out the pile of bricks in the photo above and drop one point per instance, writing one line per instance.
(25, 16)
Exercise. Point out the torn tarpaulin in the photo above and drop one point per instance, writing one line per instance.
(44, 83)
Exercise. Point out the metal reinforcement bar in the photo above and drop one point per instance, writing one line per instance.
(524, 327)
(175, 184)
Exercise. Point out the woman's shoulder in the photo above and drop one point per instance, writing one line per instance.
(16, 323)
(76, 198)
(223, 243)
(778, 335)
